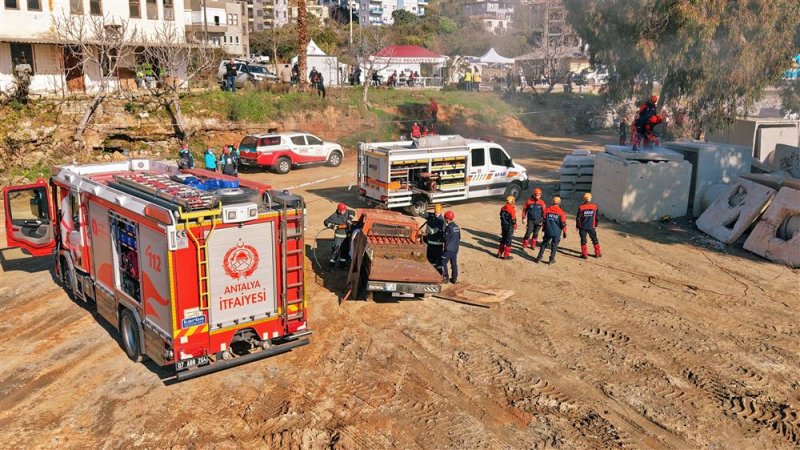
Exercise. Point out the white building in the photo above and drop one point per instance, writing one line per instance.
(379, 12)
(222, 23)
(27, 30)
(496, 16)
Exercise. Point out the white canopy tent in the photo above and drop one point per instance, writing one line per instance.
(492, 58)
(328, 66)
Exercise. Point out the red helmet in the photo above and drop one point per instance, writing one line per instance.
(449, 215)
(341, 207)
(225, 150)
(537, 191)
(654, 99)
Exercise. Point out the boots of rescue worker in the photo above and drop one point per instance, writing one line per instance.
(525, 243)
(507, 252)
(501, 250)
(597, 252)
(533, 244)
(585, 251)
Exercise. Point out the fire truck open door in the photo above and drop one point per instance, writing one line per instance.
(29, 218)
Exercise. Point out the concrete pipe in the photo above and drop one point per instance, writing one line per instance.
(789, 227)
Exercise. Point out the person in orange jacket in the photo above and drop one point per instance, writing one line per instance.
(533, 212)
(508, 223)
(586, 223)
(555, 227)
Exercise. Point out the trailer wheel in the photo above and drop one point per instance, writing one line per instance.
(130, 335)
(283, 165)
(419, 206)
(514, 190)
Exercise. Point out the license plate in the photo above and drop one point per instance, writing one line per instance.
(391, 287)
(191, 362)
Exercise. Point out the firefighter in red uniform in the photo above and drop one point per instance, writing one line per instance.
(533, 212)
(508, 223)
(415, 132)
(586, 223)
(555, 227)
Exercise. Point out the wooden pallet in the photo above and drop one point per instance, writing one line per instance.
(475, 294)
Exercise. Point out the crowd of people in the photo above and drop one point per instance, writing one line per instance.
(227, 163)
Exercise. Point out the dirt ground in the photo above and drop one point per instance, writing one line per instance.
(669, 341)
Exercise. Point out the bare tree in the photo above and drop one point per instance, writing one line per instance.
(98, 43)
(176, 62)
(366, 43)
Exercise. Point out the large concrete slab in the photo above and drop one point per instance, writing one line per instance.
(774, 180)
(786, 158)
(732, 213)
(634, 191)
(712, 163)
(777, 235)
(648, 154)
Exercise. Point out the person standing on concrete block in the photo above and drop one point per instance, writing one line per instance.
(586, 223)
(533, 212)
(555, 227)
(508, 223)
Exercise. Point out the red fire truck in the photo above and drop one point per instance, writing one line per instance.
(197, 270)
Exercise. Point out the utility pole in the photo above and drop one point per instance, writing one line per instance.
(302, 38)
(205, 23)
(350, 3)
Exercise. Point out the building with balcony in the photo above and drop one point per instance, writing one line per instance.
(496, 16)
(379, 12)
(220, 23)
(27, 32)
(270, 13)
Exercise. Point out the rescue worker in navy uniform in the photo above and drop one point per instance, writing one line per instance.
(508, 223)
(185, 158)
(533, 212)
(227, 163)
(555, 227)
(452, 239)
(434, 238)
(340, 222)
(586, 223)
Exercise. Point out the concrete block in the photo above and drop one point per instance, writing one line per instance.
(576, 173)
(648, 154)
(774, 180)
(777, 235)
(786, 158)
(712, 163)
(634, 191)
(732, 213)
(760, 134)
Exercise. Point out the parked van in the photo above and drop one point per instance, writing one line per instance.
(435, 169)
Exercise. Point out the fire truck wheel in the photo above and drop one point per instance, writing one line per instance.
(237, 195)
(66, 274)
(283, 165)
(130, 335)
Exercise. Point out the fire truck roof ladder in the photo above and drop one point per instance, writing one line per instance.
(161, 190)
(201, 244)
(294, 233)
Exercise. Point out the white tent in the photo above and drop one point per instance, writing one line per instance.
(328, 66)
(491, 57)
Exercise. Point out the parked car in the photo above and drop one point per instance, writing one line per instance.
(246, 73)
(597, 76)
(280, 151)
